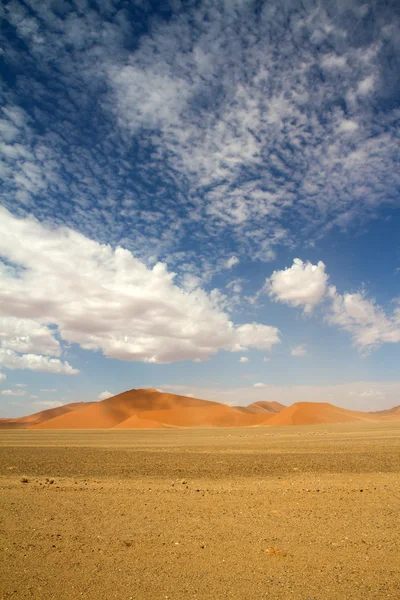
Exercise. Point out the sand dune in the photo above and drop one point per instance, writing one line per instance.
(42, 416)
(113, 411)
(390, 414)
(148, 408)
(208, 416)
(314, 413)
(262, 407)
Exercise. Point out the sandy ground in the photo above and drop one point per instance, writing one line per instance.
(302, 513)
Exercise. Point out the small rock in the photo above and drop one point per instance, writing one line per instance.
(24, 480)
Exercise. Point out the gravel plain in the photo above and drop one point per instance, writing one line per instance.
(308, 513)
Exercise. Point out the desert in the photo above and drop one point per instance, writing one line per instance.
(306, 511)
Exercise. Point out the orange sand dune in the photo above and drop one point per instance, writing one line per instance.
(144, 409)
(263, 407)
(203, 416)
(115, 410)
(390, 414)
(41, 417)
(137, 422)
(314, 413)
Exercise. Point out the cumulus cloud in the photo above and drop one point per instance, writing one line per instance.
(33, 397)
(243, 359)
(105, 395)
(21, 385)
(301, 285)
(27, 335)
(300, 350)
(108, 300)
(3, 377)
(305, 285)
(13, 393)
(367, 322)
(231, 262)
(35, 362)
(48, 390)
(259, 385)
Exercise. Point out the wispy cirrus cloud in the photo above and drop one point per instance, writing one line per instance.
(242, 126)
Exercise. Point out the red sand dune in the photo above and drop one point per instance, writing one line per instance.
(144, 409)
(390, 414)
(314, 413)
(262, 407)
(202, 416)
(137, 422)
(41, 417)
(150, 404)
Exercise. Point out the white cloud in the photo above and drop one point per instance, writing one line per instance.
(35, 362)
(26, 336)
(348, 125)
(3, 377)
(367, 322)
(334, 62)
(300, 350)
(231, 262)
(301, 285)
(259, 385)
(242, 131)
(105, 395)
(366, 85)
(105, 299)
(48, 390)
(304, 284)
(33, 397)
(13, 393)
(266, 359)
(21, 385)
(243, 359)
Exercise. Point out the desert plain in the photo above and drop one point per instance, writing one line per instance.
(306, 512)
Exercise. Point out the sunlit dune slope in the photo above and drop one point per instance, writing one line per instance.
(314, 413)
(42, 416)
(115, 410)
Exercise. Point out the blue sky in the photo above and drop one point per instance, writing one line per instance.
(201, 197)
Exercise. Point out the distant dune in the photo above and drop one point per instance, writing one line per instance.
(260, 408)
(150, 409)
(314, 413)
(42, 416)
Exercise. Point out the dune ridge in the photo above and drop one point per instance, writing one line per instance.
(151, 409)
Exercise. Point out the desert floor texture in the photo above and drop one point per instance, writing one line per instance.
(302, 513)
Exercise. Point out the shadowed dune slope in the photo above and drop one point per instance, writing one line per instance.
(314, 413)
(267, 407)
(137, 422)
(42, 416)
(390, 414)
(113, 411)
(201, 416)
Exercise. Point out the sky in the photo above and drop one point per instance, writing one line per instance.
(202, 198)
